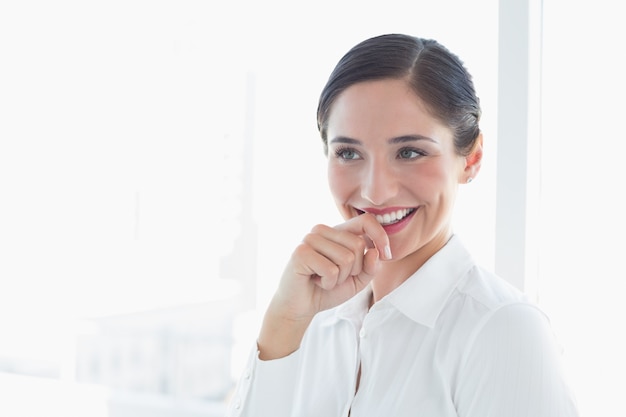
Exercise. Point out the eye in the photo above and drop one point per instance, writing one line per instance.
(410, 153)
(347, 154)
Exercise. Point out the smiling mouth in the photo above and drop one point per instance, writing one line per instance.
(393, 217)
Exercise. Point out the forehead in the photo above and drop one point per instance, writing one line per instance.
(382, 109)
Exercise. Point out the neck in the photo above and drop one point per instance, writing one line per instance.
(393, 273)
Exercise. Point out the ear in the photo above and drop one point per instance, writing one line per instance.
(473, 160)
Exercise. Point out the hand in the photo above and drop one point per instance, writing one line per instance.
(330, 266)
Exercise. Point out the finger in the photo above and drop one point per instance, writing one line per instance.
(344, 249)
(370, 264)
(358, 244)
(367, 225)
(310, 263)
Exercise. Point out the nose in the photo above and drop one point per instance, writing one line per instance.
(379, 183)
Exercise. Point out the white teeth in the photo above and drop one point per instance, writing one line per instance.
(393, 217)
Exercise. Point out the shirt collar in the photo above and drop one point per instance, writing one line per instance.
(424, 294)
(355, 308)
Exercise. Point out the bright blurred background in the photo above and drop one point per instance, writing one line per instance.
(159, 160)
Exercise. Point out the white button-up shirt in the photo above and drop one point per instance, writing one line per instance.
(452, 340)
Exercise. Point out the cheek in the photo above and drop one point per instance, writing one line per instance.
(335, 181)
(433, 181)
(445, 169)
(429, 177)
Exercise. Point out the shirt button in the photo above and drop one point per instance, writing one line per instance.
(246, 375)
(237, 405)
(362, 333)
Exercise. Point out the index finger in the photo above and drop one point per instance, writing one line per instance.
(367, 225)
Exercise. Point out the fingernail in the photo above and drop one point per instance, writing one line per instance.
(387, 252)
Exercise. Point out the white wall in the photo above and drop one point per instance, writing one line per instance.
(583, 205)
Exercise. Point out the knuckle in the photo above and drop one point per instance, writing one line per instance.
(319, 228)
(310, 239)
(302, 250)
(347, 259)
(360, 245)
(330, 276)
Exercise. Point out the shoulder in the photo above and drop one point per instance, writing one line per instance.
(499, 307)
(509, 343)
(479, 296)
(489, 290)
(518, 329)
(501, 320)
(486, 314)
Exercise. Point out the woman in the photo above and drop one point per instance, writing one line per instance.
(387, 314)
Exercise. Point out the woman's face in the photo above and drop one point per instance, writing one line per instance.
(388, 156)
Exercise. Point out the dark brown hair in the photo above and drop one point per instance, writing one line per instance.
(436, 75)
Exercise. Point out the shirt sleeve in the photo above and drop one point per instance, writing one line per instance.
(266, 388)
(512, 368)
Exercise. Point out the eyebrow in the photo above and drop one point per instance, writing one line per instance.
(392, 141)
